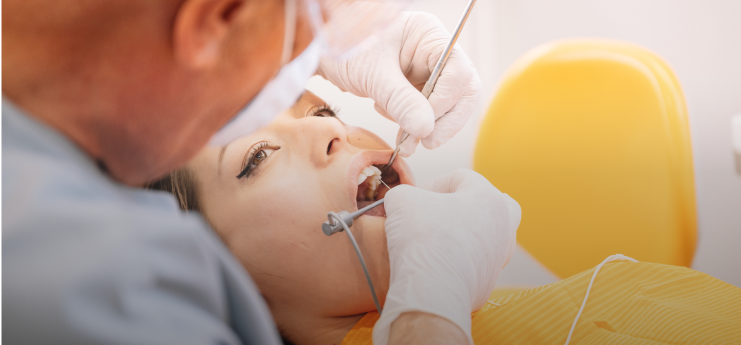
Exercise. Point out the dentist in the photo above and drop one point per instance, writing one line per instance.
(100, 97)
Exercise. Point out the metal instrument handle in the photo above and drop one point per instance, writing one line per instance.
(432, 80)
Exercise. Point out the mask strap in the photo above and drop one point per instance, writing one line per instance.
(289, 33)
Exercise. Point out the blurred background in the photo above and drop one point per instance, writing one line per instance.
(700, 40)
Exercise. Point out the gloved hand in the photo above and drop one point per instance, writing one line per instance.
(393, 69)
(446, 247)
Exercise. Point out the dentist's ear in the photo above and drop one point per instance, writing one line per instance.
(201, 30)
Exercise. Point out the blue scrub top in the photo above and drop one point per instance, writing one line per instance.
(87, 260)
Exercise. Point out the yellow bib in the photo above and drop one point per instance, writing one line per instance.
(630, 303)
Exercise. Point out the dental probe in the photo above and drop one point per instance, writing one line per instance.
(432, 80)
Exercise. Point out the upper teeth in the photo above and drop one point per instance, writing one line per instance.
(375, 179)
(369, 171)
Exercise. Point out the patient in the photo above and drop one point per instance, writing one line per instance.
(267, 194)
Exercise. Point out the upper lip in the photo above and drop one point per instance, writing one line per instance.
(365, 158)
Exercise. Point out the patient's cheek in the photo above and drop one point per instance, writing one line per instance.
(364, 139)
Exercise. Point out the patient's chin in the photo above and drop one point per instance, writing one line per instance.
(378, 211)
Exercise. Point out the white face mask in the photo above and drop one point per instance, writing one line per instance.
(281, 92)
(348, 25)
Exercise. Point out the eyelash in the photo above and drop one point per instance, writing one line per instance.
(324, 108)
(247, 167)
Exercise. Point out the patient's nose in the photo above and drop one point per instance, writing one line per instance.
(324, 137)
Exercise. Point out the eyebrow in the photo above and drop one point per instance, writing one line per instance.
(221, 156)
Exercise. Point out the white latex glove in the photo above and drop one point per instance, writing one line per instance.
(393, 69)
(446, 248)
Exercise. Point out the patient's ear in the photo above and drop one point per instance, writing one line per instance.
(201, 29)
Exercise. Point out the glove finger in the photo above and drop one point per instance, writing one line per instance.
(515, 216)
(409, 146)
(404, 104)
(452, 122)
(461, 181)
(383, 112)
(402, 199)
(453, 82)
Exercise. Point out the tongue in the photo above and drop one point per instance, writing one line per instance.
(377, 211)
(390, 177)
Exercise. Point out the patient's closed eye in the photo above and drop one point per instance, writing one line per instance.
(323, 110)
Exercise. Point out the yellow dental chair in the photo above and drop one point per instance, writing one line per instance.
(591, 137)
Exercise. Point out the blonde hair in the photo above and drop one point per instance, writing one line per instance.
(180, 183)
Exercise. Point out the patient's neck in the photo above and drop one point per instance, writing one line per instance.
(309, 330)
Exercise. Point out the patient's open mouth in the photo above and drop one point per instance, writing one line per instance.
(373, 184)
(367, 183)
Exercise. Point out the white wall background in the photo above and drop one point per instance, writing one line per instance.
(701, 41)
